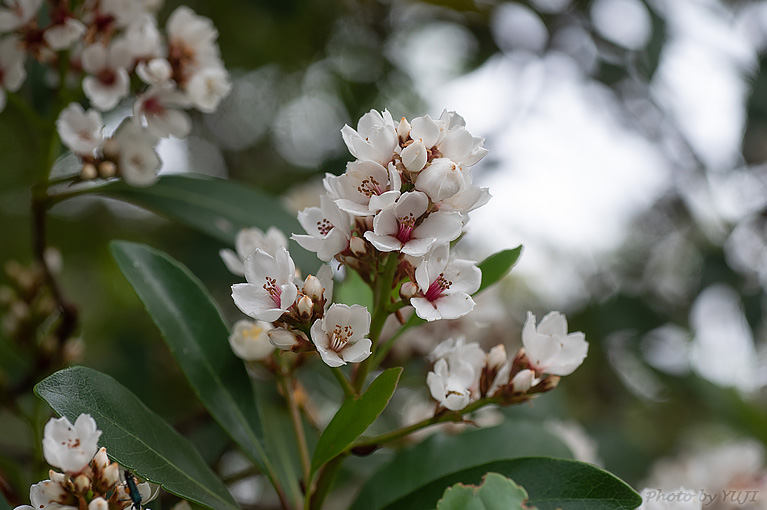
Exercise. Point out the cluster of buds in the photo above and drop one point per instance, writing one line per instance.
(116, 50)
(464, 373)
(26, 301)
(89, 480)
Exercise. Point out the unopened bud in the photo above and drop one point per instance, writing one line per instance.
(312, 288)
(357, 246)
(111, 475)
(414, 156)
(408, 290)
(403, 129)
(107, 169)
(111, 149)
(57, 477)
(523, 381)
(496, 357)
(98, 504)
(100, 460)
(305, 306)
(82, 484)
(282, 338)
(88, 172)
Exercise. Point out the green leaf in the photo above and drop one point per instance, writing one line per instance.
(198, 339)
(4, 505)
(134, 435)
(355, 416)
(551, 484)
(496, 493)
(441, 455)
(497, 265)
(216, 207)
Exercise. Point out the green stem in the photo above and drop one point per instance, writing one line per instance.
(344, 382)
(405, 431)
(325, 482)
(298, 426)
(384, 349)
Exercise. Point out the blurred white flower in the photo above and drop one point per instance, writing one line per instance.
(137, 158)
(328, 229)
(12, 72)
(79, 130)
(246, 242)
(51, 495)
(159, 109)
(450, 385)
(18, 13)
(549, 348)
(63, 35)
(154, 72)
(141, 40)
(270, 290)
(70, 447)
(340, 336)
(191, 43)
(375, 138)
(107, 81)
(406, 226)
(207, 87)
(250, 340)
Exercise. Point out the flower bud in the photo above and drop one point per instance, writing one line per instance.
(357, 246)
(312, 288)
(107, 169)
(82, 484)
(249, 340)
(98, 504)
(111, 149)
(408, 290)
(440, 180)
(403, 129)
(57, 477)
(88, 172)
(305, 306)
(282, 338)
(414, 156)
(496, 357)
(100, 460)
(523, 381)
(111, 475)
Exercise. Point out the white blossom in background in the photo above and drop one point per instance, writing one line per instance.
(156, 71)
(401, 228)
(79, 130)
(365, 188)
(12, 72)
(159, 109)
(341, 336)
(250, 340)
(270, 290)
(450, 384)
(138, 160)
(549, 348)
(246, 242)
(375, 138)
(445, 286)
(17, 13)
(141, 40)
(70, 447)
(63, 35)
(207, 87)
(107, 81)
(328, 229)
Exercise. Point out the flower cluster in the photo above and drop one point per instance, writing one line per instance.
(463, 373)
(89, 479)
(115, 49)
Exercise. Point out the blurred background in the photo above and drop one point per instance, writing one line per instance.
(627, 140)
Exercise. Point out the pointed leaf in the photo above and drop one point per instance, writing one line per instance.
(355, 416)
(496, 493)
(135, 436)
(216, 207)
(440, 455)
(198, 339)
(551, 484)
(497, 265)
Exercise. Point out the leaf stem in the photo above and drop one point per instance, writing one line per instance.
(298, 426)
(349, 391)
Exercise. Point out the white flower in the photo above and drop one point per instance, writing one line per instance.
(108, 80)
(142, 40)
(340, 335)
(250, 340)
(451, 385)
(441, 180)
(124, 12)
(270, 290)
(98, 504)
(375, 138)
(18, 13)
(414, 156)
(137, 158)
(63, 35)
(158, 109)
(70, 447)
(207, 87)
(467, 199)
(246, 242)
(456, 349)
(154, 72)
(456, 143)
(80, 130)
(446, 286)
(191, 43)
(401, 227)
(365, 188)
(549, 348)
(328, 229)
(12, 72)
(51, 495)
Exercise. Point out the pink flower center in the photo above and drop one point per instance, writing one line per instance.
(153, 106)
(438, 287)
(339, 337)
(369, 187)
(406, 226)
(324, 227)
(273, 290)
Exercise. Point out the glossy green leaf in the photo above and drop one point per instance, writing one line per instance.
(355, 416)
(550, 483)
(496, 493)
(441, 455)
(134, 435)
(198, 339)
(497, 265)
(217, 207)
